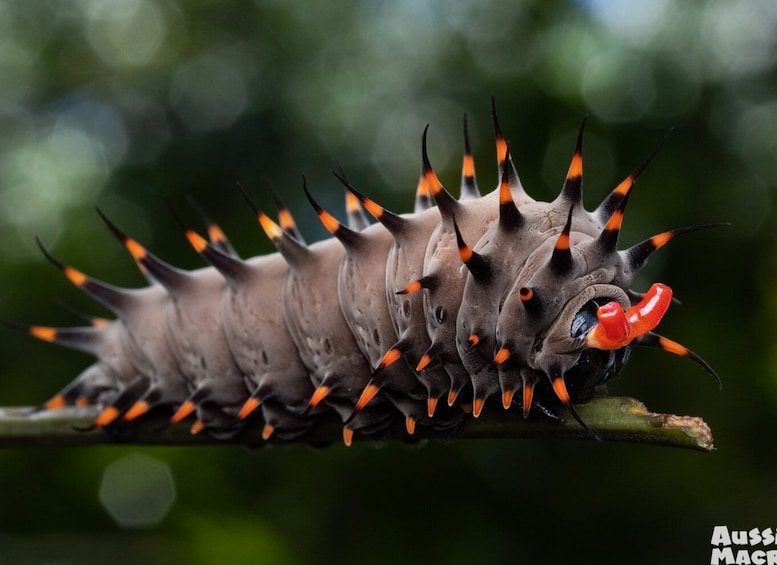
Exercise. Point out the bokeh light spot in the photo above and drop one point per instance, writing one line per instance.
(137, 490)
(126, 33)
(618, 86)
(209, 92)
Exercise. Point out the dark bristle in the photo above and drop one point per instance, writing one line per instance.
(495, 118)
(347, 236)
(447, 204)
(427, 166)
(232, 267)
(561, 259)
(119, 234)
(469, 185)
(613, 200)
(429, 281)
(283, 210)
(467, 146)
(477, 264)
(652, 339)
(572, 191)
(110, 296)
(164, 273)
(393, 222)
(531, 300)
(559, 386)
(510, 218)
(638, 254)
(223, 243)
(608, 239)
(178, 220)
(254, 208)
(53, 260)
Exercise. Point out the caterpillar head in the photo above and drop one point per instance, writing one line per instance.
(568, 352)
(585, 345)
(570, 317)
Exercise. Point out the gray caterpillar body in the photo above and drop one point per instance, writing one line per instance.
(481, 297)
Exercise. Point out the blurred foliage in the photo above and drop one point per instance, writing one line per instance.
(119, 103)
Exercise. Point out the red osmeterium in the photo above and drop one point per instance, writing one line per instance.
(618, 328)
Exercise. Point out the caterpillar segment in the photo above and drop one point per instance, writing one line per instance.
(337, 367)
(405, 262)
(424, 315)
(501, 256)
(258, 339)
(361, 289)
(445, 285)
(196, 337)
(98, 383)
(369, 266)
(147, 357)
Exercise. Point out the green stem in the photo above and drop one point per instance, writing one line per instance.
(612, 418)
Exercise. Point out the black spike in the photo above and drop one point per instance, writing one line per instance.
(357, 219)
(608, 239)
(423, 200)
(292, 250)
(88, 318)
(572, 191)
(254, 208)
(231, 266)
(445, 201)
(531, 299)
(432, 353)
(561, 259)
(223, 244)
(281, 208)
(652, 339)
(87, 339)
(613, 200)
(638, 254)
(510, 218)
(477, 264)
(394, 223)
(167, 275)
(501, 166)
(558, 381)
(348, 237)
(469, 184)
(112, 297)
(429, 281)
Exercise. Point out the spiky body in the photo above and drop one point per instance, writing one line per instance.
(474, 299)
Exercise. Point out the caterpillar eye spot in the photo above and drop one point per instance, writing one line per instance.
(440, 315)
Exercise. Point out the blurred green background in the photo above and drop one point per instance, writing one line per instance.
(119, 103)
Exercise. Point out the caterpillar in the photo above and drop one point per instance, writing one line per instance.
(424, 316)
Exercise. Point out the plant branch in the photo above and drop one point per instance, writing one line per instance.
(612, 418)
